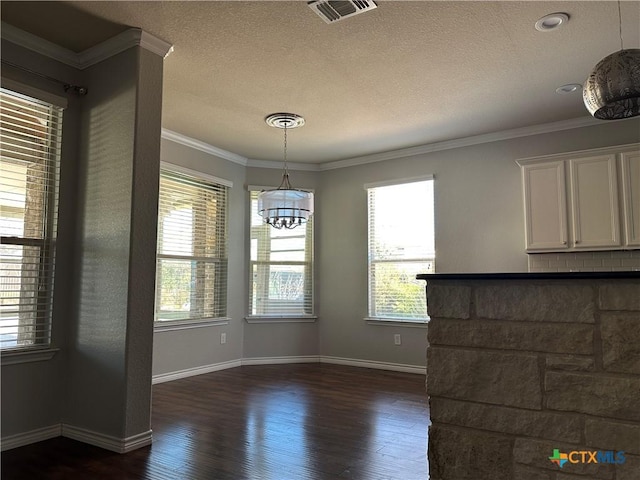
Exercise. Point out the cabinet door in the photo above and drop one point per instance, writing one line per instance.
(594, 202)
(631, 196)
(545, 206)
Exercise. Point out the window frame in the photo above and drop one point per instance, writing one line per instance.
(309, 263)
(40, 347)
(385, 320)
(191, 322)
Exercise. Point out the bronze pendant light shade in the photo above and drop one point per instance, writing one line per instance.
(612, 91)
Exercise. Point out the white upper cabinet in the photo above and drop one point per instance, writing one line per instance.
(594, 202)
(587, 200)
(631, 196)
(545, 206)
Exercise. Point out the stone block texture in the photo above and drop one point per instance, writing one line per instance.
(570, 362)
(620, 296)
(519, 336)
(448, 301)
(462, 455)
(518, 369)
(620, 332)
(602, 395)
(564, 303)
(609, 435)
(485, 376)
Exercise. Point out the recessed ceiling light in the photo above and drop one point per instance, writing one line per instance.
(569, 88)
(551, 21)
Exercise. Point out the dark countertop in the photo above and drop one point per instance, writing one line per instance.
(529, 276)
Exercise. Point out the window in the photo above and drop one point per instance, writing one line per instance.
(401, 245)
(30, 137)
(281, 266)
(191, 271)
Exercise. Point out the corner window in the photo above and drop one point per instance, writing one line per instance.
(30, 139)
(281, 268)
(401, 245)
(191, 270)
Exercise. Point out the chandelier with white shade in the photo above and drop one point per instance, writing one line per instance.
(285, 207)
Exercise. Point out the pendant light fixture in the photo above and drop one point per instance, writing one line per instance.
(285, 207)
(612, 90)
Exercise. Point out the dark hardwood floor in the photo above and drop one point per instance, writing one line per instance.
(272, 422)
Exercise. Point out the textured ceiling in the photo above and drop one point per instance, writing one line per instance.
(403, 75)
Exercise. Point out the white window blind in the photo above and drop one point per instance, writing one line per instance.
(191, 279)
(281, 268)
(30, 138)
(401, 245)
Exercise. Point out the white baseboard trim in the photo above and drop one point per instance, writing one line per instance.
(281, 360)
(190, 372)
(353, 362)
(108, 442)
(33, 436)
(114, 444)
(396, 367)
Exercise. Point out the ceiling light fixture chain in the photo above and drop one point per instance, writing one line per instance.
(620, 25)
(285, 177)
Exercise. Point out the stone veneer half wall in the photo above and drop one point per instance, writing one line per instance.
(519, 367)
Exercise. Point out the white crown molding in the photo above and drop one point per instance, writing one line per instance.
(392, 154)
(155, 45)
(132, 37)
(129, 38)
(202, 146)
(39, 45)
(464, 142)
(309, 167)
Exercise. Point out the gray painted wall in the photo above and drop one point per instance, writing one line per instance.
(479, 224)
(109, 369)
(479, 227)
(179, 350)
(281, 339)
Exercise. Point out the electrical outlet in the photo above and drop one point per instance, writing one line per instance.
(397, 339)
(223, 338)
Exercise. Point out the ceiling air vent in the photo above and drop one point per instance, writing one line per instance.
(334, 11)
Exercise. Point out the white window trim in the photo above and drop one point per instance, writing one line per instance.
(279, 318)
(397, 321)
(33, 92)
(399, 181)
(41, 351)
(189, 324)
(13, 357)
(195, 173)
